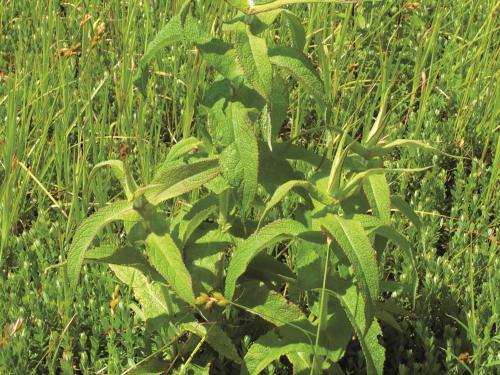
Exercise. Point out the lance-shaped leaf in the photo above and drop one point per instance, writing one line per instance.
(86, 232)
(216, 338)
(248, 151)
(299, 67)
(170, 34)
(123, 256)
(379, 196)
(248, 249)
(121, 173)
(151, 296)
(196, 215)
(282, 191)
(166, 257)
(366, 328)
(297, 31)
(269, 305)
(400, 204)
(351, 237)
(276, 343)
(222, 57)
(254, 60)
(266, 267)
(355, 181)
(384, 149)
(173, 180)
(182, 148)
(374, 225)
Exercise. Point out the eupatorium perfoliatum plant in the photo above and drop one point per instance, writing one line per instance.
(246, 251)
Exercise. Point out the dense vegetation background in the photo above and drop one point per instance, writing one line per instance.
(67, 102)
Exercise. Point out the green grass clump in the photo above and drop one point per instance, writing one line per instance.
(68, 102)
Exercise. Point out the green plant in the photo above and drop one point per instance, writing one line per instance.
(207, 266)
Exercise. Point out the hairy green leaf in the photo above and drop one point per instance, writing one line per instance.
(166, 257)
(379, 196)
(153, 298)
(222, 56)
(173, 180)
(122, 174)
(86, 232)
(276, 343)
(170, 34)
(299, 67)
(231, 165)
(248, 152)
(204, 259)
(182, 148)
(216, 338)
(353, 240)
(400, 204)
(284, 190)
(366, 328)
(267, 236)
(123, 256)
(297, 31)
(269, 305)
(200, 212)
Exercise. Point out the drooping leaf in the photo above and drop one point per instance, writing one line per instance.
(296, 64)
(200, 211)
(379, 196)
(150, 366)
(174, 180)
(354, 242)
(170, 34)
(387, 318)
(400, 204)
(385, 149)
(357, 179)
(166, 257)
(222, 57)
(366, 328)
(182, 148)
(282, 191)
(216, 338)
(276, 343)
(278, 105)
(86, 232)
(269, 305)
(123, 256)
(267, 236)
(121, 173)
(153, 298)
(266, 267)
